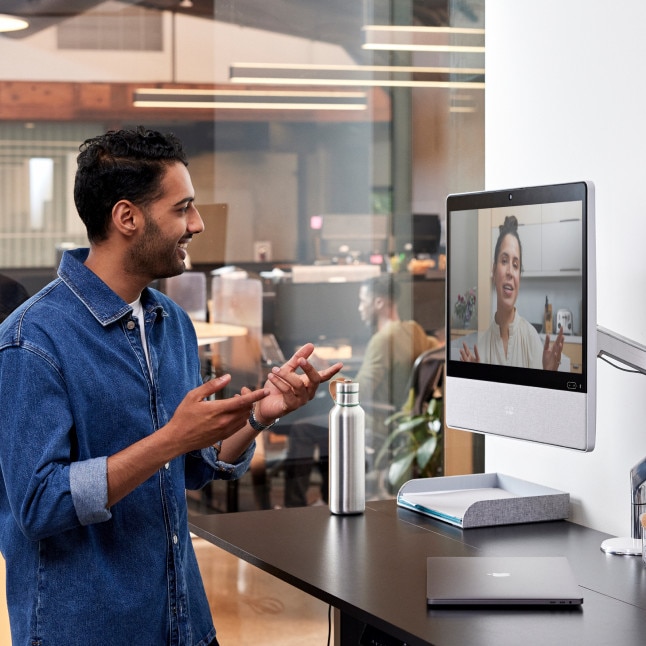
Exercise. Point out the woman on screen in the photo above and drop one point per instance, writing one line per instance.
(511, 340)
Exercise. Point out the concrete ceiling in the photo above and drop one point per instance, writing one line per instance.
(333, 21)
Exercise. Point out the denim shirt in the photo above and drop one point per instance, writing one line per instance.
(75, 388)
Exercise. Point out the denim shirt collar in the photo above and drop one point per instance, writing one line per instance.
(104, 304)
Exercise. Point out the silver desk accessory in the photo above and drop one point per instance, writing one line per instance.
(615, 346)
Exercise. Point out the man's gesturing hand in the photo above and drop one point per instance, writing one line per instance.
(289, 389)
(201, 422)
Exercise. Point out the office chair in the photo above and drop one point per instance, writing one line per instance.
(426, 380)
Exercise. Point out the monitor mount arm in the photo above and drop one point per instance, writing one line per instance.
(630, 353)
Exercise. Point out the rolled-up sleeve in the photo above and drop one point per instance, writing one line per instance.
(204, 466)
(48, 493)
(89, 488)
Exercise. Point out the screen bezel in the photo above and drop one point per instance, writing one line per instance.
(554, 387)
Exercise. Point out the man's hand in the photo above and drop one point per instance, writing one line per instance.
(290, 389)
(200, 422)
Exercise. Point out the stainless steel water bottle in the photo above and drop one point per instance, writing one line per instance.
(347, 450)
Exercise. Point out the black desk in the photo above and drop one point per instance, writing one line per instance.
(372, 569)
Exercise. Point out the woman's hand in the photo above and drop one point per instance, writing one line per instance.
(552, 356)
(289, 389)
(466, 355)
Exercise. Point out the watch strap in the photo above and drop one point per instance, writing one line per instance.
(256, 425)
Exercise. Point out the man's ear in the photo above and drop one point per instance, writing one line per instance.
(125, 217)
(379, 303)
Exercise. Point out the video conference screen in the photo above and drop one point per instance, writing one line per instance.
(517, 286)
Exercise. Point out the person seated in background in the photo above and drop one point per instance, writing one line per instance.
(12, 294)
(383, 379)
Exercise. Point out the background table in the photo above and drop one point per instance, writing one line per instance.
(372, 569)
(208, 333)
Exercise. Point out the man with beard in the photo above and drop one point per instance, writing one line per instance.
(106, 421)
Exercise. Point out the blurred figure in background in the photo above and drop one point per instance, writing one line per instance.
(383, 387)
(12, 294)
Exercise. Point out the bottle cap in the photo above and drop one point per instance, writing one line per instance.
(343, 386)
(347, 386)
(345, 392)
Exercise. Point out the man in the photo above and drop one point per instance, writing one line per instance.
(383, 379)
(392, 350)
(105, 420)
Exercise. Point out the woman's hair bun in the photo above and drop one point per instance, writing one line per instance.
(510, 225)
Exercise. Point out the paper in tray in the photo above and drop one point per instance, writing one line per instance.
(481, 500)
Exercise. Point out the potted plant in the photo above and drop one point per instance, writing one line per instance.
(414, 446)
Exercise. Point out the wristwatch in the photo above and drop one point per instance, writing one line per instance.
(256, 425)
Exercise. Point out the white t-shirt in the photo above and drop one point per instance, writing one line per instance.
(138, 313)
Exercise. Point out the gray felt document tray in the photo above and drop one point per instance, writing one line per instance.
(483, 499)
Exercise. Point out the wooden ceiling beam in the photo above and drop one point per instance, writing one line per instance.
(61, 101)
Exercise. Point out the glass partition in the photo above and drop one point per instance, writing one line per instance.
(324, 129)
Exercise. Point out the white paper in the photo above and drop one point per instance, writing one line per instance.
(453, 504)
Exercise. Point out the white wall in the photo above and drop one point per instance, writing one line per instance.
(563, 103)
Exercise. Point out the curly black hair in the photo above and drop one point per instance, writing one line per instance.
(121, 165)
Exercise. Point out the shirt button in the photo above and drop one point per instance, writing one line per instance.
(130, 325)
(174, 539)
(167, 465)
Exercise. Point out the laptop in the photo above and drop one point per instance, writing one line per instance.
(501, 581)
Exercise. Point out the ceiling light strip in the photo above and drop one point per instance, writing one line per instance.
(181, 92)
(464, 85)
(290, 77)
(357, 75)
(355, 68)
(248, 99)
(475, 31)
(424, 39)
(413, 47)
(232, 105)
